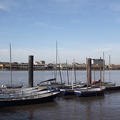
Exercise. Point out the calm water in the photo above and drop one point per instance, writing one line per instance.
(68, 107)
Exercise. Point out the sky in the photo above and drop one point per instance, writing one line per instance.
(82, 29)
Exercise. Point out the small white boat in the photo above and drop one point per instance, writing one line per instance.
(12, 86)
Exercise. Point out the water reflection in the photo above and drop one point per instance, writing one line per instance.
(28, 112)
(68, 107)
(87, 108)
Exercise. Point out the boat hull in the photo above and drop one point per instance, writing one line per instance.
(12, 86)
(111, 88)
(19, 102)
(88, 93)
(67, 92)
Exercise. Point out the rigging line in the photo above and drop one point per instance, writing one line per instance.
(58, 56)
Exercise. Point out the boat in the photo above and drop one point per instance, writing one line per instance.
(13, 86)
(89, 91)
(109, 86)
(69, 88)
(112, 88)
(50, 83)
(26, 96)
(67, 91)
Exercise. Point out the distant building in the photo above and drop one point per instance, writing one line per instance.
(40, 65)
(22, 66)
(1, 65)
(40, 62)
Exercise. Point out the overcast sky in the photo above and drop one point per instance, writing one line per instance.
(82, 28)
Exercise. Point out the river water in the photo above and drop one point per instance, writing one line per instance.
(105, 107)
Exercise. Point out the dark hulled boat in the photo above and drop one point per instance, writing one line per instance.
(112, 88)
(68, 91)
(109, 86)
(87, 92)
(13, 86)
(33, 96)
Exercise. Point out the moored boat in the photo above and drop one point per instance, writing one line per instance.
(112, 88)
(51, 83)
(12, 86)
(92, 90)
(26, 97)
(68, 91)
(109, 86)
(88, 91)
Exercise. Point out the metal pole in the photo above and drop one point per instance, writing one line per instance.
(109, 69)
(67, 71)
(60, 74)
(30, 71)
(56, 61)
(103, 69)
(100, 70)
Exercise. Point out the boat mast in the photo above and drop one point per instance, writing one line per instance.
(100, 70)
(67, 71)
(56, 62)
(87, 71)
(60, 74)
(59, 67)
(103, 69)
(73, 75)
(109, 69)
(10, 64)
(94, 69)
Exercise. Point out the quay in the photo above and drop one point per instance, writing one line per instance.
(41, 65)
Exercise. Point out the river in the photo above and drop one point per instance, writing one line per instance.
(105, 107)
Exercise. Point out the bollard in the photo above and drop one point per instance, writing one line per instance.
(30, 68)
(89, 71)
